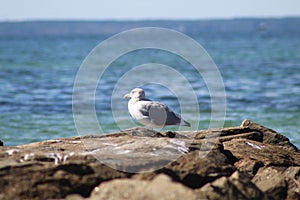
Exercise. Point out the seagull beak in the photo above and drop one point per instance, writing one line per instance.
(126, 96)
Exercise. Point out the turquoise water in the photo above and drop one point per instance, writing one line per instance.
(261, 73)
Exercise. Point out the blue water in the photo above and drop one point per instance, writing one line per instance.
(261, 73)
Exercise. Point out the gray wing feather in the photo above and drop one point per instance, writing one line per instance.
(172, 117)
(146, 108)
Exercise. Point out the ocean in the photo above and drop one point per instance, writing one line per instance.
(258, 59)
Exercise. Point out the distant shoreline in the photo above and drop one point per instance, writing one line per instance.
(195, 26)
(148, 20)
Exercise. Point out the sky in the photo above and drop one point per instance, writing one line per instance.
(144, 9)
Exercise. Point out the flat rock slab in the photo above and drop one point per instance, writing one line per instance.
(138, 162)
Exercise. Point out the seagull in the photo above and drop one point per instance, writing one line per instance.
(150, 113)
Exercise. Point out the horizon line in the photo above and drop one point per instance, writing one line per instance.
(148, 19)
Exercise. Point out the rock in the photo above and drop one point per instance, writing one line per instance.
(138, 150)
(279, 182)
(195, 168)
(219, 163)
(271, 181)
(292, 175)
(74, 197)
(200, 167)
(1, 143)
(270, 136)
(252, 155)
(226, 134)
(35, 180)
(161, 187)
(237, 186)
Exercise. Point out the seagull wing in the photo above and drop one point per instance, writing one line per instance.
(159, 113)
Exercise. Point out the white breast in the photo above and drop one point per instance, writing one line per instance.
(135, 108)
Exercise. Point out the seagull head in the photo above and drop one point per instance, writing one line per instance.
(137, 93)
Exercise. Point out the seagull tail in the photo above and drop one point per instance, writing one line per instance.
(185, 123)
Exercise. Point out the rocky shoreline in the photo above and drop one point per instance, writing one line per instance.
(245, 162)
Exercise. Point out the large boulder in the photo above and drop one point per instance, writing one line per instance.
(270, 136)
(279, 182)
(251, 155)
(246, 162)
(237, 186)
(160, 187)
